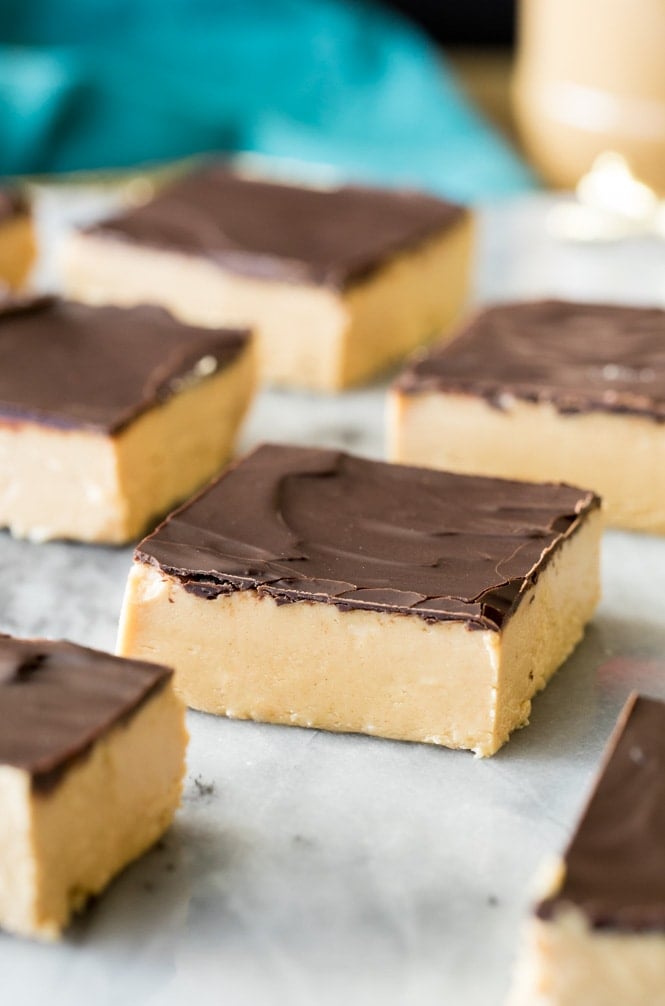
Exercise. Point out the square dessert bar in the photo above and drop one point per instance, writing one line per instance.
(92, 755)
(18, 247)
(110, 416)
(310, 587)
(598, 937)
(338, 283)
(547, 390)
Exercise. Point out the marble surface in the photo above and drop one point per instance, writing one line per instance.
(306, 867)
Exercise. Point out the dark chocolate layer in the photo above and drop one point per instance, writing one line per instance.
(311, 524)
(58, 699)
(615, 863)
(70, 365)
(579, 357)
(298, 235)
(12, 204)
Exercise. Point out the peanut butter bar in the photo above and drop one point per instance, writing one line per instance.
(315, 588)
(91, 764)
(339, 283)
(110, 416)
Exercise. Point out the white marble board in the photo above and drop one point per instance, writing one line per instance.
(311, 868)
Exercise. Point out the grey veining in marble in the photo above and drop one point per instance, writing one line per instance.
(307, 867)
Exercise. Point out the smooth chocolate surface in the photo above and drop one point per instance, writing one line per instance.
(57, 699)
(70, 365)
(615, 863)
(283, 232)
(12, 204)
(579, 357)
(320, 525)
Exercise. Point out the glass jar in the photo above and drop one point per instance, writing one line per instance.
(590, 78)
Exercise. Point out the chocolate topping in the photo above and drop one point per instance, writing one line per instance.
(615, 863)
(12, 204)
(579, 357)
(57, 699)
(70, 365)
(283, 232)
(319, 525)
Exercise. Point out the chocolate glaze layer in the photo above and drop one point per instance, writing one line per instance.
(57, 699)
(72, 366)
(310, 524)
(579, 357)
(332, 237)
(615, 863)
(12, 204)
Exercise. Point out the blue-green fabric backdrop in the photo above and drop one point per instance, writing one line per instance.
(90, 84)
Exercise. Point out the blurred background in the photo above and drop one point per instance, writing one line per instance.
(477, 101)
(360, 87)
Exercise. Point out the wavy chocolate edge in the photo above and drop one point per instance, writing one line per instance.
(578, 357)
(311, 524)
(292, 233)
(57, 699)
(100, 368)
(614, 870)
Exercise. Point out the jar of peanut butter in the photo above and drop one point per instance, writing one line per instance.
(590, 78)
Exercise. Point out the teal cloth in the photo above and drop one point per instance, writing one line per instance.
(88, 84)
